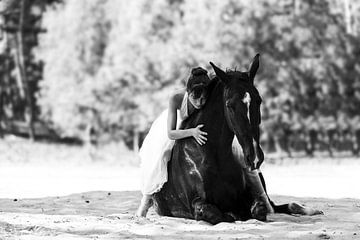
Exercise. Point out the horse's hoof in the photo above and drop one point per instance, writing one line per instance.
(296, 208)
(317, 212)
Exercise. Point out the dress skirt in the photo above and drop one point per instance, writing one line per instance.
(155, 154)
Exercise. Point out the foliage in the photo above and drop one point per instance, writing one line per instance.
(110, 65)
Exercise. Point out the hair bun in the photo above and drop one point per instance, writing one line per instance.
(198, 71)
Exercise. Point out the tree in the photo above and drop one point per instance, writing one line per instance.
(19, 29)
(120, 61)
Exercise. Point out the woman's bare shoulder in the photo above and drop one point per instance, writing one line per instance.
(176, 97)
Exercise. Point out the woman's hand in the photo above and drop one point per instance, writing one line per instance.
(199, 135)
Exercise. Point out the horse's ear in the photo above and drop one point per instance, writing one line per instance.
(220, 73)
(254, 67)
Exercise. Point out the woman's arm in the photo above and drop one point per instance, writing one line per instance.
(174, 133)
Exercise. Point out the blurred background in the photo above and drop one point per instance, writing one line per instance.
(82, 81)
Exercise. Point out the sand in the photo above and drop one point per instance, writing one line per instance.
(109, 215)
(69, 199)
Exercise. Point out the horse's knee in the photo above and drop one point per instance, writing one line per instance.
(259, 211)
(210, 213)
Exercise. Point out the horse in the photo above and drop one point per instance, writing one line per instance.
(206, 182)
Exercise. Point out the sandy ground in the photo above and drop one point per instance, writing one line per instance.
(46, 192)
(109, 215)
(76, 209)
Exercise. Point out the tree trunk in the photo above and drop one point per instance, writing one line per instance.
(296, 7)
(3, 42)
(136, 141)
(348, 17)
(21, 69)
(2, 87)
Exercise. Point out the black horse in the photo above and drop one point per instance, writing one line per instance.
(206, 182)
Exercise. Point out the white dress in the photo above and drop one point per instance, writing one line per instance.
(155, 151)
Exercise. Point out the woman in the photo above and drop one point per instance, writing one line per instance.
(156, 149)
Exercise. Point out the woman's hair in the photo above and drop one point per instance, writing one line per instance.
(197, 82)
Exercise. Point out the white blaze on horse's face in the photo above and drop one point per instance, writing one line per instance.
(247, 99)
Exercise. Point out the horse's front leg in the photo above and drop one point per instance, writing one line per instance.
(291, 208)
(210, 213)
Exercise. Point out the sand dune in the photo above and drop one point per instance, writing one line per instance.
(109, 215)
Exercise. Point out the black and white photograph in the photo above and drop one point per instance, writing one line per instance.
(179, 119)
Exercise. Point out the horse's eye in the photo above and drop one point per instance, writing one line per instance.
(229, 104)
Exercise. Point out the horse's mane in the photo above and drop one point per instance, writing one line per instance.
(211, 86)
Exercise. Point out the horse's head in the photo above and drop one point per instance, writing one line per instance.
(243, 116)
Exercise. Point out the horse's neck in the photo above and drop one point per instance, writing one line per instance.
(218, 131)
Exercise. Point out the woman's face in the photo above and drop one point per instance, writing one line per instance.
(197, 102)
